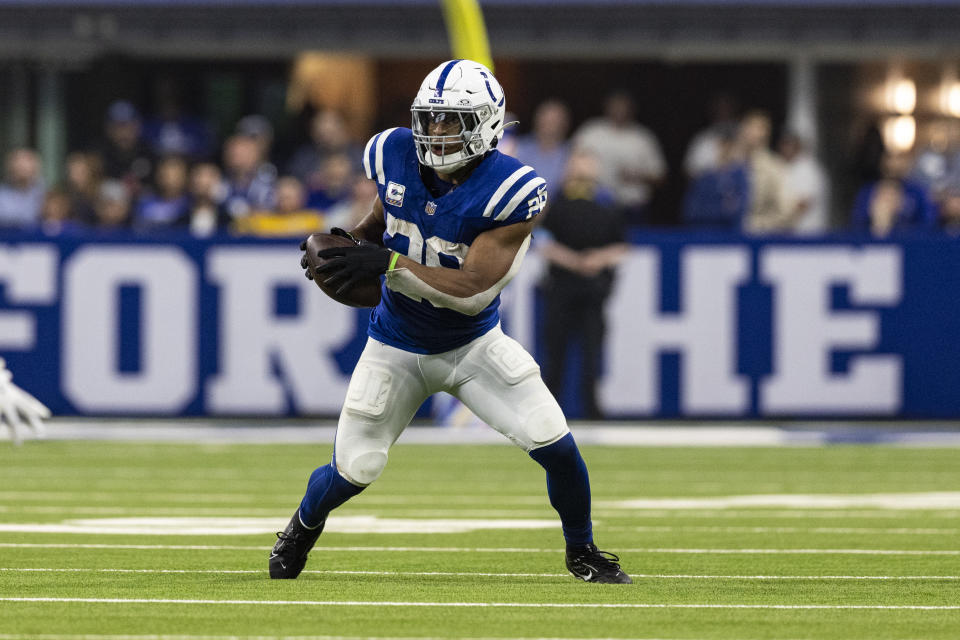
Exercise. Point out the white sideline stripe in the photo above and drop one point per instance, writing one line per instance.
(488, 605)
(503, 188)
(214, 526)
(226, 547)
(918, 500)
(830, 530)
(657, 576)
(92, 636)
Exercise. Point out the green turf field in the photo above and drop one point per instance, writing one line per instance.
(836, 558)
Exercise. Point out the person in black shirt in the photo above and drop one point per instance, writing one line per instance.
(586, 242)
(123, 152)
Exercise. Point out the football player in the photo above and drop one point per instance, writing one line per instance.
(449, 230)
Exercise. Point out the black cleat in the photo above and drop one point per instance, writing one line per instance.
(592, 565)
(289, 555)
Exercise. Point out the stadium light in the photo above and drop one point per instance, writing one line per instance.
(900, 132)
(950, 97)
(901, 95)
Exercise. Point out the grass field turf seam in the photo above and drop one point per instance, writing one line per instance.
(704, 574)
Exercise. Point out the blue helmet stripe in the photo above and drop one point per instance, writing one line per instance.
(443, 76)
(489, 90)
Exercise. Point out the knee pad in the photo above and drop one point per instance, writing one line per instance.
(363, 467)
(545, 424)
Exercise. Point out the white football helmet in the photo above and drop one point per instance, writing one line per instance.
(464, 92)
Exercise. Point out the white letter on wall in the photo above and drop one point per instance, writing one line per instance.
(29, 273)
(704, 332)
(168, 282)
(253, 337)
(806, 330)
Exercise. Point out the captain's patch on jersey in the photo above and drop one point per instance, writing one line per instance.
(395, 194)
(431, 208)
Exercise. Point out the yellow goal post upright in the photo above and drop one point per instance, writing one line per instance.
(467, 31)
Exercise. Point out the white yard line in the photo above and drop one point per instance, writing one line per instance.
(211, 547)
(805, 530)
(658, 576)
(92, 636)
(485, 605)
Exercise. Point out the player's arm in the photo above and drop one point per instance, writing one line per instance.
(491, 263)
(370, 228)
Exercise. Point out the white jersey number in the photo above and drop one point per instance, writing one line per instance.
(425, 252)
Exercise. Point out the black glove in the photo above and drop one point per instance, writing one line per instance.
(346, 266)
(303, 261)
(337, 231)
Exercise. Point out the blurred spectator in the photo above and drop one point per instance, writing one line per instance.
(806, 184)
(250, 179)
(206, 214)
(333, 183)
(124, 154)
(893, 203)
(259, 129)
(168, 204)
(950, 211)
(545, 148)
(113, 206)
(586, 241)
(56, 215)
(769, 210)
(936, 163)
(704, 152)
(629, 156)
(868, 155)
(84, 173)
(21, 193)
(349, 212)
(717, 198)
(290, 218)
(328, 136)
(171, 131)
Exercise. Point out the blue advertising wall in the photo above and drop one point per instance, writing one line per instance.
(698, 326)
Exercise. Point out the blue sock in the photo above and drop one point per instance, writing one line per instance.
(326, 491)
(568, 486)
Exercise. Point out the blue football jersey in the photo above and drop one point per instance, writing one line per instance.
(438, 231)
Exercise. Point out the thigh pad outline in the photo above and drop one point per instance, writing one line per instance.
(369, 392)
(509, 360)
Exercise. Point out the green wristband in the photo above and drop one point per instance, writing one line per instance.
(393, 261)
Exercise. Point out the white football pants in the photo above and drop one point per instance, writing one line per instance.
(493, 376)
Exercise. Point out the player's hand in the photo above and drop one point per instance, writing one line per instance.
(303, 261)
(337, 231)
(346, 266)
(18, 407)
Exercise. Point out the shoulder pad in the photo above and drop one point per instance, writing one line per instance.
(384, 144)
(520, 194)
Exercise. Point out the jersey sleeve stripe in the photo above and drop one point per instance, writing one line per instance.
(379, 158)
(366, 158)
(515, 201)
(504, 187)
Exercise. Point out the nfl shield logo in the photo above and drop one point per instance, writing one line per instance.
(431, 208)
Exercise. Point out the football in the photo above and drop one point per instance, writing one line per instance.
(364, 294)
